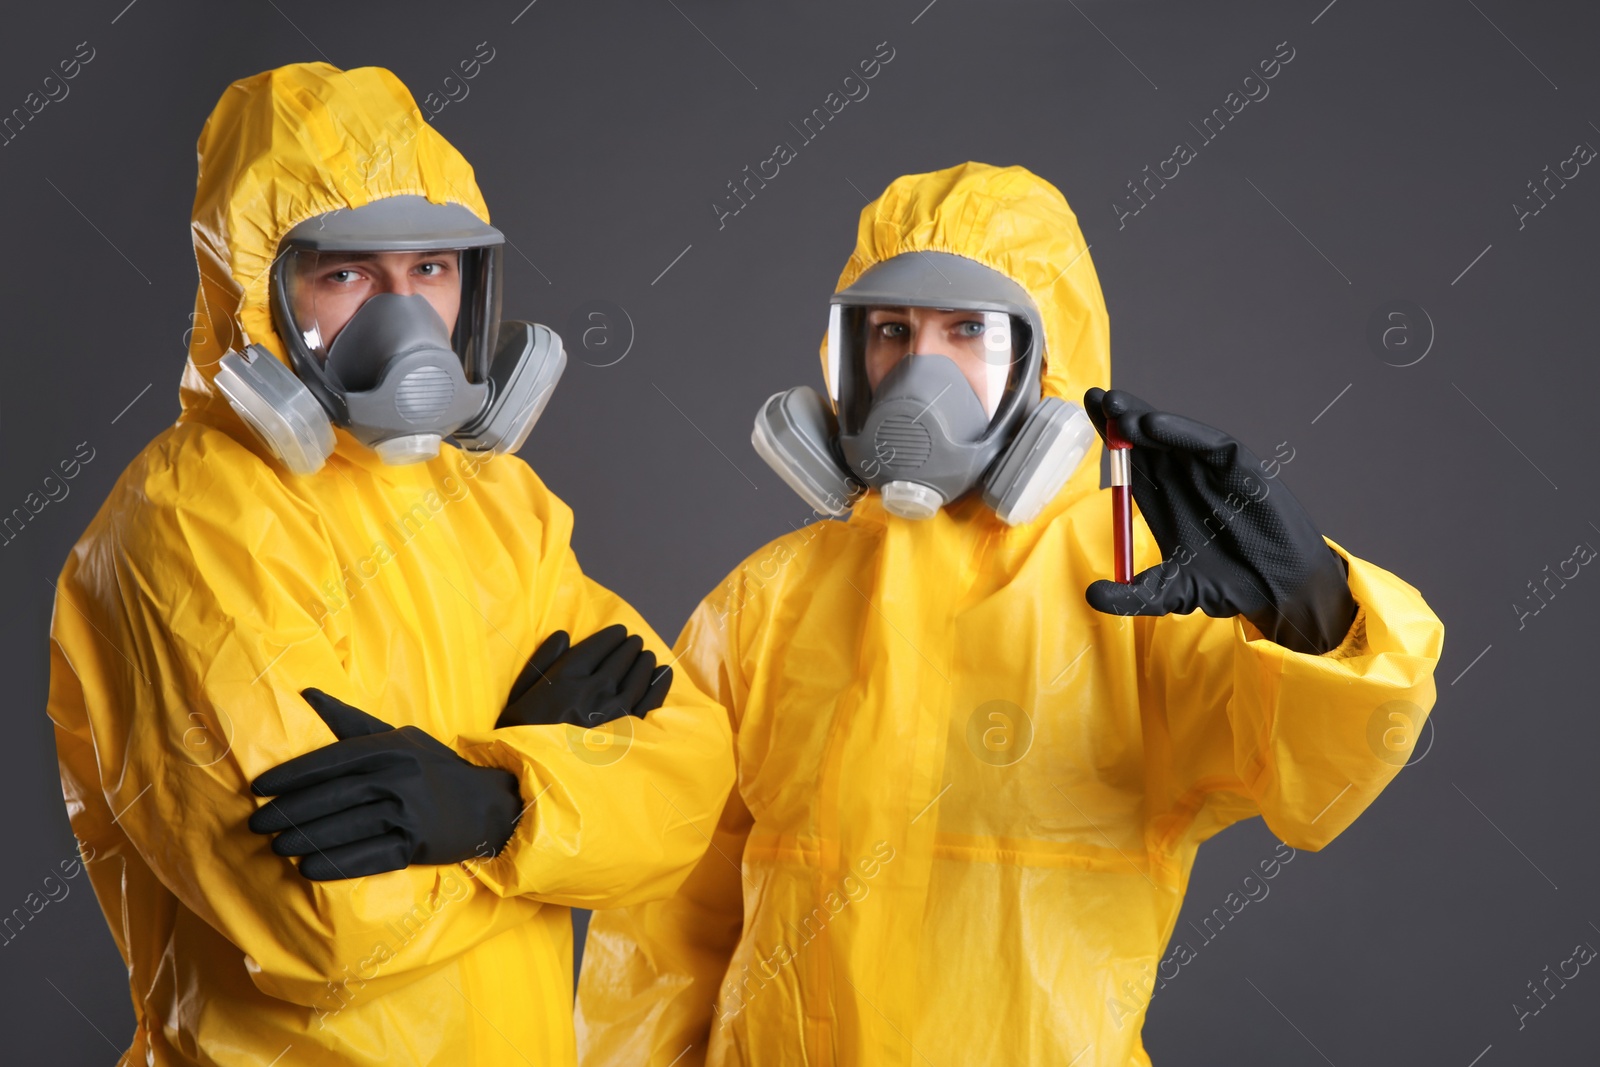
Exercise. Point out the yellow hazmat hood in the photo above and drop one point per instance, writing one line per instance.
(1013, 221)
(281, 147)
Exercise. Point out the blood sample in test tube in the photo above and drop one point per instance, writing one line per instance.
(1121, 500)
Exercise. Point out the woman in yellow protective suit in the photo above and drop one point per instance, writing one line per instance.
(402, 587)
(968, 802)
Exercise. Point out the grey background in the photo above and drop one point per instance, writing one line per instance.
(1396, 142)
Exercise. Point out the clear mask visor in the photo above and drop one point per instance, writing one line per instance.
(866, 342)
(325, 290)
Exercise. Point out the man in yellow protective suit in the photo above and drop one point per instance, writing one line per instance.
(968, 801)
(330, 584)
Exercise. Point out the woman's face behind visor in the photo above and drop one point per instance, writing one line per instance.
(968, 338)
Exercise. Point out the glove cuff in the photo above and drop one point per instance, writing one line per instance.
(1318, 618)
(504, 809)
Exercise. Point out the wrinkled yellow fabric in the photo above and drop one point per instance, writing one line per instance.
(213, 586)
(903, 877)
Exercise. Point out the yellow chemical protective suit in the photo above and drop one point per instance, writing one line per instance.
(213, 586)
(968, 804)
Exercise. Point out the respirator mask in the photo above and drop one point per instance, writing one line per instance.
(391, 316)
(934, 364)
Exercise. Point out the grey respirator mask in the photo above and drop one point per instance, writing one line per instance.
(385, 365)
(957, 350)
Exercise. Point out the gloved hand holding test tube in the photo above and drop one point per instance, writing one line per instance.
(1231, 545)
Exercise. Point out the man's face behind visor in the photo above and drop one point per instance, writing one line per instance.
(329, 287)
(978, 342)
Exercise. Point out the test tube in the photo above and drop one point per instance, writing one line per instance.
(1121, 500)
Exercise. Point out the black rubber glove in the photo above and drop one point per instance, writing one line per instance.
(1231, 544)
(605, 676)
(380, 799)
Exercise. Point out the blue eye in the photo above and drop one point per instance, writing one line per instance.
(971, 328)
